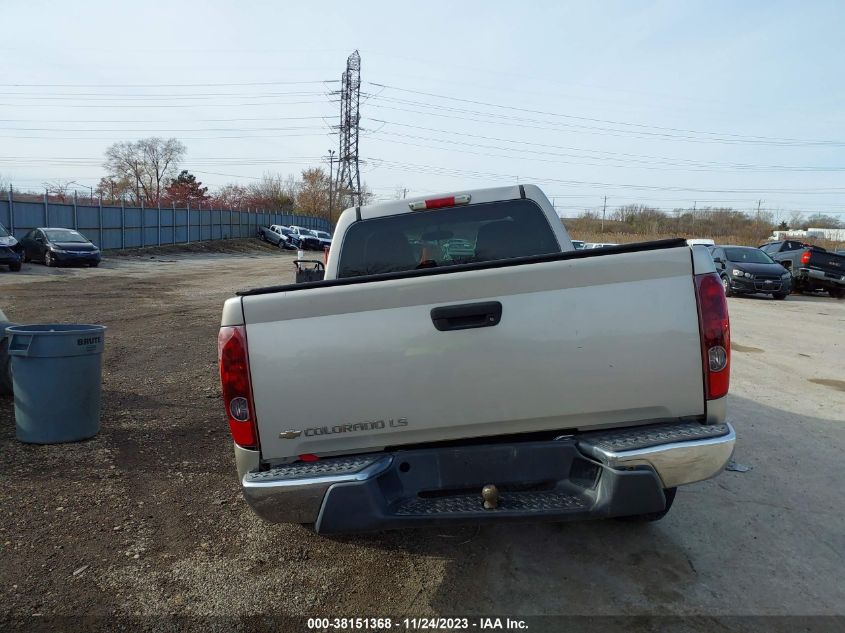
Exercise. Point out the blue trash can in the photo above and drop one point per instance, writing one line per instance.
(56, 377)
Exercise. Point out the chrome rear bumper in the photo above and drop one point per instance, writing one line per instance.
(680, 453)
(609, 473)
(293, 493)
(820, 275)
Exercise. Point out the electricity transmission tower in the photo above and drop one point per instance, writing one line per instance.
(348, 175)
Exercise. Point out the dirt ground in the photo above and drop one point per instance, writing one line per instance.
(145, 525)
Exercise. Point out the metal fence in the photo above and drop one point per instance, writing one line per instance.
(112, 227)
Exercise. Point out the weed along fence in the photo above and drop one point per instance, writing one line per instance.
(112, 227)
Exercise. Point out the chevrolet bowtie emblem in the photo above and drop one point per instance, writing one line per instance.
(289, 435)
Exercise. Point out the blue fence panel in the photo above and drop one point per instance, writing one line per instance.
(167, 226)
(27, 216)
(132, 227)
(60, 215)
(6, 214)
(180, 234)
(113, 226)
(88, 220)
(149, 227)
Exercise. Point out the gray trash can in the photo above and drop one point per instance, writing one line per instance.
(56, 377)
(5, 361)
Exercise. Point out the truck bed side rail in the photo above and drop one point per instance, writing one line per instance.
(499, 263)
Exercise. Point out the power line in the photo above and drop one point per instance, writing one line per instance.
(143, 97)
(184, 138)
(739, 137)
(167, 130)
(583, 160)
(670, 161)
(538, 124)
(192, 120)
(169, 105)
(633, 187)
(173, 85)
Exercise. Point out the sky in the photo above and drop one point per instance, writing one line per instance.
(670, 104)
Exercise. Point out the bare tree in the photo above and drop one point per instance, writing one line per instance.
(148, 164)
(796, 220)
(231, 196)
(273, 192)
(399, 192)
(111, 189)
(822, 221)
(313, 195)
(58, 188)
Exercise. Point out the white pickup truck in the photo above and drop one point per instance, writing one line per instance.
(462, 363)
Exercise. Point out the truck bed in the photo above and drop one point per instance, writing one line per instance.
(585, 340)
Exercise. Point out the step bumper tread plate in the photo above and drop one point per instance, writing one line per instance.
(508, 502)
(292, 493)
(680, 453)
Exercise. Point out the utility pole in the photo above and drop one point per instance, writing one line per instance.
(694, 205)
(404, 192)
(603, 211)
(331, 165)
(348, 174)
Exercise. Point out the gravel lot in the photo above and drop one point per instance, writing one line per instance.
(147, 520)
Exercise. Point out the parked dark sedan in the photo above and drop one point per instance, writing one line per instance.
(748, 270)
(59, 246)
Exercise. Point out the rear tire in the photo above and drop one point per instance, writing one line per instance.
(779, 295)
(15, 267)
(94, 264)
(648, 517)
(726, 285)
(836, 293)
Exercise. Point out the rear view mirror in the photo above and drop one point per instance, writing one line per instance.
(718, 260)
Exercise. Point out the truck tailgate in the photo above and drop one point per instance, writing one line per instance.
(588, 342)
(831, 264)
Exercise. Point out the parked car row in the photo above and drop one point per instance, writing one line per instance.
(748, 270)
(51, 246)
(580, 244)
(812, 267)
(294, 237)
(778, 268)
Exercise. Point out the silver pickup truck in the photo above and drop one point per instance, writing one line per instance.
(463, 363)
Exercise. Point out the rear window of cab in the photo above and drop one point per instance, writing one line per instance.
(446, 237)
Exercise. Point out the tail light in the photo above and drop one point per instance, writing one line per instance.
(237, 387)
(715, 329)
(805, 258)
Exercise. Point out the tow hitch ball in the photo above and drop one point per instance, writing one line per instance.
(490, 494)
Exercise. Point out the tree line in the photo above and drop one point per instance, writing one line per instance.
(707, 221)
(151, 171)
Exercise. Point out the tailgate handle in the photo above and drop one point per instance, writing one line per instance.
(467, 315)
